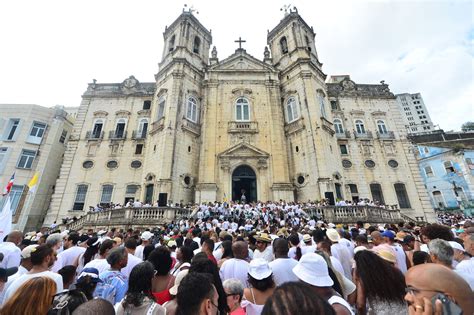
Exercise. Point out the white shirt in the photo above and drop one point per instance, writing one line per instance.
(67, 257)
(341, 252)
(235, 268)
(139, 251)
(349, 245)
(27, 276)
(11, 255)
(100, 264)
(401, 258)
(337, 265)
(283, 270)
(466, 266)
(21, 271)
(267, 254)
(132, 262)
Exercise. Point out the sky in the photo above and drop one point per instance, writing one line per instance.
(50, 50)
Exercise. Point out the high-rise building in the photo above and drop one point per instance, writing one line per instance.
(414, 113)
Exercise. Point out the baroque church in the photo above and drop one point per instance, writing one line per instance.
(211, 129)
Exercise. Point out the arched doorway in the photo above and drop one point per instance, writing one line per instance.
(244, 181)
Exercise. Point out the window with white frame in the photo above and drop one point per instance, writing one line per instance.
(15, 195)
(161, 108)
(98, 128)
(448, 166)
(37, 130)
(120, 128)
(191, 110)
(26, 159)
(106, 196)
(291, 109)
(62, 139)
(429, 171)
(3, 155)
(81, 193)
(382, 127)
(12, 128)
(338, 126)
(360, 128)
(142, 128)
(242, 111)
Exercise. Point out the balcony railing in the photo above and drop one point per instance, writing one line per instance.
(91, 135)
(386, 135)
(157, 125)
(191, 126)
(351, 214)
(114, 135)
(138, 134)
(242, 126)
(365, 135)
(344, 135)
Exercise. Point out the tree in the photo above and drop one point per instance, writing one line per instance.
(468, 126)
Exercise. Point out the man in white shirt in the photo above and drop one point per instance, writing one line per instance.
(10, 250)
(70, 253)
(145, 237)
(308, 246)
(389, 238)
(101, 263)
(264, 248)
(130, 246)
(42, 258)
(236, 267)
(282, 266)
(340, 251)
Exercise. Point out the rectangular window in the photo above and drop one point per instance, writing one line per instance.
(146, 104)
(38, 130)
(334, 105)
(81, 193)
(377, 195)
(62, 139)
(343, 148)
(106, 194)
(12, 128)
(402, 196)
(26, 159)
(429, 171)
(139, 149)
(3, 155)
(353, 188)
(15, 197)
(131, 189)
(448, 166)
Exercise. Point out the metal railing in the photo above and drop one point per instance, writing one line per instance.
(365, 135)
(114, 135)
(91, 135)
(386, 135)
(344, 135)
(138, 134)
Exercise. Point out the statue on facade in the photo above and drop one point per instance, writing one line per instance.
(266, 52)
(214, 52)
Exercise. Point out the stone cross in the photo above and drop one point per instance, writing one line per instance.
(240, 41)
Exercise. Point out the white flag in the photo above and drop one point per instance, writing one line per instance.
(6, 219)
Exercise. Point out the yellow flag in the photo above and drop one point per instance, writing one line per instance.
(33, 182)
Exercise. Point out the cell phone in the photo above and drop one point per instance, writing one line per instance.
(449, 307)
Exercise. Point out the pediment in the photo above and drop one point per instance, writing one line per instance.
(241, 61)
(244, 150)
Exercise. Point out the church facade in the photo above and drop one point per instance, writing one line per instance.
(238, 128)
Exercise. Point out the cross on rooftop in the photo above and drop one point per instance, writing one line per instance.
(240, 41)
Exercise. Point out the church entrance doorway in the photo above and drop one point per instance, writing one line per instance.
(244, 184)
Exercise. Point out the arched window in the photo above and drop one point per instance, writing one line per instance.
(338, 126)
(97, 129)
(191, 111)
(196, 45)
(291, 109)
(161, 107)
(242, 111)
(382, 127)
(120, 128)
(142, 128)
(284, 45)
(171, 43)
(360, 129)
(322, 105)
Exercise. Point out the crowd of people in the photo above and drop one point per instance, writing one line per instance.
(243, 259)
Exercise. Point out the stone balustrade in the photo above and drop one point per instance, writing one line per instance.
(352, 214)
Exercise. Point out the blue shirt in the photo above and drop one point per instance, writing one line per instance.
(114, 286)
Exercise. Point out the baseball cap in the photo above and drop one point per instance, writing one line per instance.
(146, 235)
(5, 273)
(179, 277)
(259, 269)
(407, 239)
(333, 235)
(313, 269)
(456, 245)
(93, 273)
(389, 234)
(26, 252)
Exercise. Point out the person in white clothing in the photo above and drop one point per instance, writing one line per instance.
(282, 266)
(70, 253)
(42, 258)
(389, 238)
(308, 246)
(10, 250)
(236, 267)
(264, 248)
(341, 252)
(130, 246)
(146, 238)
(101, 263)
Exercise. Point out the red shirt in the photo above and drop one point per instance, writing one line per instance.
(213, 259)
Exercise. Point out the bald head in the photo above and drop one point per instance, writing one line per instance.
(280, 248)
(240, 249)
(15, 237)
(377, 238)
(437, 277)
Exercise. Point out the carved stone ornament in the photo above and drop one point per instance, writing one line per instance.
(130, 82)
(266, 52)
(214, 52)
(348, 85)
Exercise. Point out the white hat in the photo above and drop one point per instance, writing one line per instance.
(456, 245)
(359, 249)
(64, 233)
(306, 238)
(146, 235)
(333, 235)
(101, 232)
(172, 243)
(259, 269)
(26, 252)
(313, 269)
(331, 225)
(179, 277)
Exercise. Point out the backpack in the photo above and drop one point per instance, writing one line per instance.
(65, 303)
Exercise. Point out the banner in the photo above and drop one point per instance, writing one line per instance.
(6, 219)
(33, 184)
